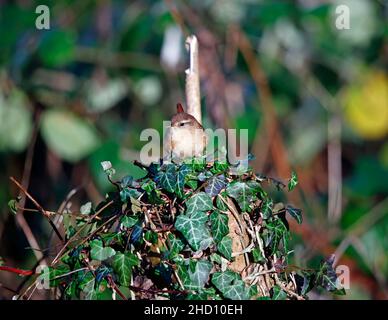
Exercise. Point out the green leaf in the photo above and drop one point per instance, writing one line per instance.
(257, 256)
(194, 229)
(215, 184)
(295, 213)
(230, 285)
(128, 193)
(225, 247)
(129, 221)
(98, 252)
(167, 179)
(293, 181)
(276, 232)
(193, 184)
(278, 294)
(122, 265)
(219, 167)
(196, 164)
(87, 286)
(86, 208)
(220, 203)
(244, 193)
(198, 274)
(68, 135)
(180, 179)
(266, 208)
(175, 244)
(199, 202)
(222, 280)
(219, 225)
(13, 205)
(16, 121)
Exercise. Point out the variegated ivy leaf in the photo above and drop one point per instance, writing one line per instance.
(129, 221)
(99, 252)
(278, 294)
(122, 265)
(295, 213)
(167, 179)
(215, 184)
(225, 247)
(180, 179)
(199, 271)
(293, 181)
(219, 225)
(230, 285)
(266, 208)
(193, 228)
(129, 193)
(175, 244)
(88, 287)
(199, 202)
(244, 193)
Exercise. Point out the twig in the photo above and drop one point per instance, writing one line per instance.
(26, 181)
(40, 208)
(78, 232)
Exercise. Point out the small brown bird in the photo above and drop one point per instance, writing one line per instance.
(185, 138)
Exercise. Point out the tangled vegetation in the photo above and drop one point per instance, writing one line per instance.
(192, 230)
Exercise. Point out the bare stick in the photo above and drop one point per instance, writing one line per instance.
(40, 208)
(193, 97)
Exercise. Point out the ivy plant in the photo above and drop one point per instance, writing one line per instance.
(172, 234)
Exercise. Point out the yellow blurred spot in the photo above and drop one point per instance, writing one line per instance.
(366, 105)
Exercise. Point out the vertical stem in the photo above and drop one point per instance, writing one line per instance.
(193, 97)
(334, 169)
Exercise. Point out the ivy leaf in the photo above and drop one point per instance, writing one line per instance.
(122, 265)
(13, 205)
(278, 294)
(126, 182)
(88, 287)
(199, 202)
(86, 208)
(129, 221)
(276, 231)
(215, 184)
(180, 179)
(225, 247)
(244, 193)
(230, 285)
(293, 181)
(219, 225)
(295, 213)
(194, 229)
(220, 203)
(176, 245)
(327, 277)
(198, 272)
(167, 179)
(99, 252)
(129, 193)
(266, 208)
(219, 167)
(136, 233)
(222, 280)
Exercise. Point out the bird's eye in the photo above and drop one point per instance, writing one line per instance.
(181, 124)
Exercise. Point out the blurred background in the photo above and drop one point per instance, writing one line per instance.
(313, 97)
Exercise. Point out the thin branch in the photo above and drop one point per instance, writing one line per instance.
(40, 208)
